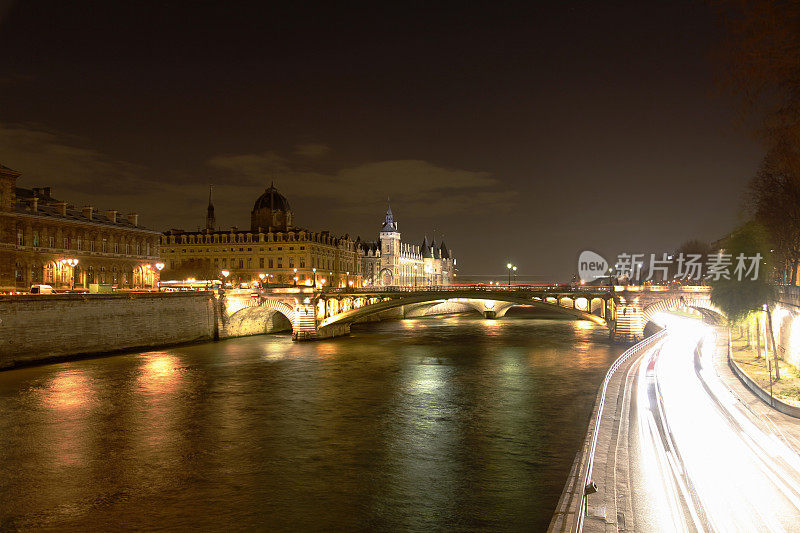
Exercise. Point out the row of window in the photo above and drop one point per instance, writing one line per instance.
(238, 238)
(104, 245)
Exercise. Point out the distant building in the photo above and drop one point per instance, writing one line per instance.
(39, 233)
(273, 246)
(391, 262)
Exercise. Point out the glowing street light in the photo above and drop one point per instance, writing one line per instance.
(295, 277)
(72, 263)
(225, 274)
(509, 266)
(314, 270)
(159, 267)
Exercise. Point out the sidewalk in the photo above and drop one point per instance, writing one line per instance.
(783, 426)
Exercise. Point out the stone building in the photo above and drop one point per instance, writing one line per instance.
(272, 246)
(39, 233)
(391, 262)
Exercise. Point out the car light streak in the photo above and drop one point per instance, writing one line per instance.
(709, 462)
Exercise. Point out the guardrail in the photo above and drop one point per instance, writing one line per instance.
(589, 486)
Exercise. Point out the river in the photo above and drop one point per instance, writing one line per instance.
(424, 424)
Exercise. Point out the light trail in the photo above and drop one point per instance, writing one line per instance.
(706, 461)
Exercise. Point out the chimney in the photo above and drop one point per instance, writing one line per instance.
(46, 192)
(112, 216)
(87, 211)
(34, 204)
(133, 218)
(61, 207)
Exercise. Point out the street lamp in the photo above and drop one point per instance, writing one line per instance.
(159, 267)
(509, 266)
(261, 276)
(295, 277)
(225, 275)
(514, 268)
(314, 270)
(347, 279)
(72, 263)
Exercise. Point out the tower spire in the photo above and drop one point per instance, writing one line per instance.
(210, 219)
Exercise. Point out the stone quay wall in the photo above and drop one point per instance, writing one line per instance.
(48, 327)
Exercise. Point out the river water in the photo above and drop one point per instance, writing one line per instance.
(416, 425)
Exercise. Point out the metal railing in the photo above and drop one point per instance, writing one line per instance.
(479, 287)
(589, 486)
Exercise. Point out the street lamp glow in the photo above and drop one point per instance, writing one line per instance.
(225, 273)
(262, 276)
(159, 266)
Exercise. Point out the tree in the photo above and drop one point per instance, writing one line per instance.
(760, 55)
(738, 298)
(774, 199)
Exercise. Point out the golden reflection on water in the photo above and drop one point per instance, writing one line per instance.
(67, 390)
(160, 372)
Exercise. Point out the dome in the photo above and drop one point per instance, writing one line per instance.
(271, 212)
(273, 200)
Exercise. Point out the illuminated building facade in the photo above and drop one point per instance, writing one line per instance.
(39, 234)
(272, 246)
(391, 262)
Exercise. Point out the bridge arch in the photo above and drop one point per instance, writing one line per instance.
(701, 304)
(353, 314)
(258, 316)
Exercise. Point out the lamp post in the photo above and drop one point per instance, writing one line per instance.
(295, 277)
(514, 268)
(314, 270)
(415, 275)
(225, 274)
(72, 264)
(347, 279)
(261, 276)
(509, 266)
(159, 267)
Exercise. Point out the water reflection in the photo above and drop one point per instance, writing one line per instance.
(457, 423)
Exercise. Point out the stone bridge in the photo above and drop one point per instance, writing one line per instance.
(314, 314)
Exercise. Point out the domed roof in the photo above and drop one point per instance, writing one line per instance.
(272, 199)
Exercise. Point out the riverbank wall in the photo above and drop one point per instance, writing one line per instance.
(50, 327)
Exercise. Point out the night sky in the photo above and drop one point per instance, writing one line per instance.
(518, 133)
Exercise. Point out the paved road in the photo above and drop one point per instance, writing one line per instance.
(699, 457)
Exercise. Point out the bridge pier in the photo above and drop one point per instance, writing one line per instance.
(490, 313)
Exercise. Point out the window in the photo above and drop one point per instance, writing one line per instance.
(224, 262)
(216, 262)
(302, 263)
(80, 245)
(260, 262)
(104, 245)
(233, 262)
(249, 262)
(291, 262)
(291, 247)
(241, 263)
(280, 247)
(116, 247)
(249, 249)
(51, 242)
(139, 249)
(128, 249)
(302, 247)
(270, 263)
(20, 238)
(91, 246)
(148, 249)
(36, 238)
(172, 263)
(66, 243)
